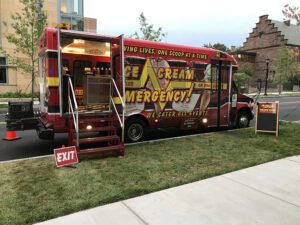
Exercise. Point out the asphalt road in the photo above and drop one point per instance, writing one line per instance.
(31, 146)
(289, 107)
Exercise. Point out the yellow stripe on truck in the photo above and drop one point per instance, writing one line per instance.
(117, 100)
(53, 81)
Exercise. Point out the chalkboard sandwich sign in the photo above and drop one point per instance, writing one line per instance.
(267, 117)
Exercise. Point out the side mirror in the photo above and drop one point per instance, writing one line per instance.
(259, 85)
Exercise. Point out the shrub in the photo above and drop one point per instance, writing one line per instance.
(18, 94)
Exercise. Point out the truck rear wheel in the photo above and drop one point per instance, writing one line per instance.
(135, 130)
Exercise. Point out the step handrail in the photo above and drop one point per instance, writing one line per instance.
(73, 111)
(119, 95)
(121, 121)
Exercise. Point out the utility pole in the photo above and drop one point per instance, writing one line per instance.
(267, 75)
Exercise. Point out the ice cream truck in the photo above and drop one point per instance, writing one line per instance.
(103, 90)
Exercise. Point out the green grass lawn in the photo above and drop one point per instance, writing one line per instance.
(35, 190)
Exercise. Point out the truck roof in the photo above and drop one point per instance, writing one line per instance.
(211, 53)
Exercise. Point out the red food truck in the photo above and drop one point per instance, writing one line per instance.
(120, 88)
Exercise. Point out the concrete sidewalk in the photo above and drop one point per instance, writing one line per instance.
(265, 194)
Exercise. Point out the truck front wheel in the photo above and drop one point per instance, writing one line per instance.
(135, 130)
(243, 120)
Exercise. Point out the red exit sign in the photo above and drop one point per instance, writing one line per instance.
(65, 156)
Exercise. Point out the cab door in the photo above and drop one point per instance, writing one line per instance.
(219, 106)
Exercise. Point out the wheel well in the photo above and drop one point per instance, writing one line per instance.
(246, 110)
(138, 116)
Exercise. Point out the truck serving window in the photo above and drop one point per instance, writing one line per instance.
(177, 63)
(134, 64)
(199, 69)
(135, 61)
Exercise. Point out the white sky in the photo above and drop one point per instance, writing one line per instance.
(188, 22)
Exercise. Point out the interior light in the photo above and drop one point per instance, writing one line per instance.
(156, 120)
(89, 127)
(78, 41)
(204, 120)
(73, 50)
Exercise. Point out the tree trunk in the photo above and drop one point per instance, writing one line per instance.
(32, 80)
(279, 86)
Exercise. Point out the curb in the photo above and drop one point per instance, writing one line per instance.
(274, 96)
(17, 160)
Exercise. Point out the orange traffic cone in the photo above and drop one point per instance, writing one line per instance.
(11, 135)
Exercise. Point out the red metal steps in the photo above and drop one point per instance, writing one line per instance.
(96, 129)
(83, 120)
(106, 142)
(98, 139)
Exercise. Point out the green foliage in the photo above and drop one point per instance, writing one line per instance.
(28, 24)
(284, 65)
(242, 77)
(291, 12)
(295, 80)
(147, 31)
(18, 94)
(217, 46)
(246, 68)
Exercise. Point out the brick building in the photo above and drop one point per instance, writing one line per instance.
(90, 24)
(264, 43)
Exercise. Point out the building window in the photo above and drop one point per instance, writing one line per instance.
(244, 57)
(71, 12)
(3, 70)
(74, 7)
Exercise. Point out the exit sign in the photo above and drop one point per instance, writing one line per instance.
(65, 156)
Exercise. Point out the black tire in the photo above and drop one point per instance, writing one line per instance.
(243, 120)
(135, 130)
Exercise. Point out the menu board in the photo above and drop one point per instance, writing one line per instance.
(267, 117)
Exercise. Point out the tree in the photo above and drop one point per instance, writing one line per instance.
(284, 65)
(242, 77)
(291, 12)
(217, 46)
(28, 24)
(147, 31)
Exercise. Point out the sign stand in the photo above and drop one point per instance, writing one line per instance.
(267, 117)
